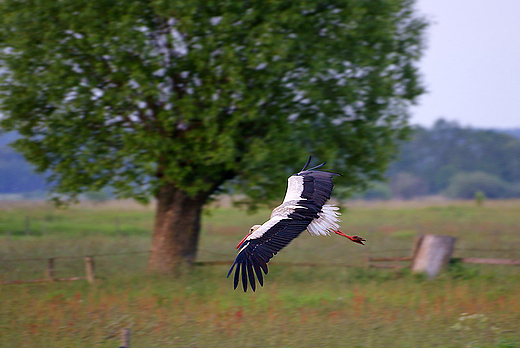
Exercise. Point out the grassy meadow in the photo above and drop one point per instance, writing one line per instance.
(467, 306)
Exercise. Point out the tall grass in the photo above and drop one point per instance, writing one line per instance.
(467, 306)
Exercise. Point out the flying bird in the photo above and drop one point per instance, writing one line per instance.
(303, 208)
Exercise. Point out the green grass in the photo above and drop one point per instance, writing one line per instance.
(297, 307)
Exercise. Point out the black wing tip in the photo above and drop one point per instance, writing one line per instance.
(231, 269)
(306, 164)
(309, 162)
(332, 173)
(236, 280)
(248, 273)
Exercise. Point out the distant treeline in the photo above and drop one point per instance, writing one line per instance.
(457, 162)
(446, 159)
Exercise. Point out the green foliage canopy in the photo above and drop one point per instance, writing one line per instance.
(136, 94)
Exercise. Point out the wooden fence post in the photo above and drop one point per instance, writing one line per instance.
(125, 338)
(89, 268)
(50, 269)
(416, 244)
(431, 253)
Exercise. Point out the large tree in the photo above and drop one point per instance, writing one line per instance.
(174, 99)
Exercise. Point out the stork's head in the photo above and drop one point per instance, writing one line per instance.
(251, 230)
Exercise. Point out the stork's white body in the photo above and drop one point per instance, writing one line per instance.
(326, 222)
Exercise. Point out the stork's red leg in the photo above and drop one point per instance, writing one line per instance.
(355, 239)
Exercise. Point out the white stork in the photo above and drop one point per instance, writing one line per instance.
(302, 208)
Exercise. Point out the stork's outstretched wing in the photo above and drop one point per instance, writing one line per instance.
(306, 194)
(255, 253)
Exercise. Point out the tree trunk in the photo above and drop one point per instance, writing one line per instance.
(176, 231)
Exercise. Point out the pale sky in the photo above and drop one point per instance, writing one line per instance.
(471, 65)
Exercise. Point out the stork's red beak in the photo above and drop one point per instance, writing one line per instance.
(243, 240)
(355, 239)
